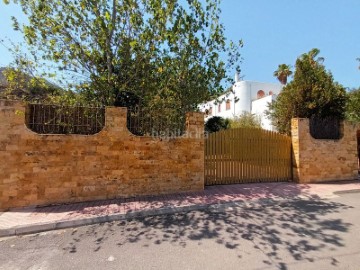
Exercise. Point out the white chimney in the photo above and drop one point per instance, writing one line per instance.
(237, 77)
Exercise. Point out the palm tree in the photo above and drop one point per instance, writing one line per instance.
(282, 73)
(310, 56)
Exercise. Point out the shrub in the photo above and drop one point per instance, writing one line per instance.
(216, 123)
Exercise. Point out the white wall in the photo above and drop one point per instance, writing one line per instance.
(247, 95)
(266, 87)
(242, 90)
(259, 107)
(234, 108)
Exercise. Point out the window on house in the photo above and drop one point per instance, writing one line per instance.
(228, 105)
(260, 94)
(219, 108)
(208, 111)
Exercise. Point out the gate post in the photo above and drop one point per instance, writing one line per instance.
(195, 132)
(321, 160)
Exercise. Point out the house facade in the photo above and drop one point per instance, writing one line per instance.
(245, 97)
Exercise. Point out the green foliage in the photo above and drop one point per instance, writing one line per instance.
(353, 106)
(246, 120)
(68, 98)
(20, 85)
(22, 79)
(282, 73)
(160, 50)
(311, 92)
(216, 123)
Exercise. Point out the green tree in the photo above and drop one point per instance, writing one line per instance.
(21, 79)
(168, 52)
(282, 73)
(311, 92)
(246, 120)
(18, 83)
(353, 106)
(216, 123)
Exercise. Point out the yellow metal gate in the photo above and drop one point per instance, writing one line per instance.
(246, 155)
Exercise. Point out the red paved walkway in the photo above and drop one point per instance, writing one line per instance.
(76, 213)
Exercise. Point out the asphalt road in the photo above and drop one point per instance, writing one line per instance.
(300, 234)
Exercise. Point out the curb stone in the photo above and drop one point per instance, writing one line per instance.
(347, 191)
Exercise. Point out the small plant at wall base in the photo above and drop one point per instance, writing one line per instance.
(246, 120)
(216, 123)
(313, 91)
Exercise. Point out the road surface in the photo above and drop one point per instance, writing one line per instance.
(298, 234)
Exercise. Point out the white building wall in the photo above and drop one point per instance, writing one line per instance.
(267, 88)
(246, 94)
(243, 91)
(259, 107)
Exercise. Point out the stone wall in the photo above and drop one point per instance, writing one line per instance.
(323, 160)
(47, 169)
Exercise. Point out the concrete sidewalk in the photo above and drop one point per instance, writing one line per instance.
(37, 219)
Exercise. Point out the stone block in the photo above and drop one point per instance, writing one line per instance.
(42, 169)
(323, 160)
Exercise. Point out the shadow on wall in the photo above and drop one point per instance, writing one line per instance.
(299, 229)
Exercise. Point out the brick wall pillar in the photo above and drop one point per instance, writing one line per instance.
(195, 125)
(12, 114)
(295, 149)
(195, 134)
(115, 119)
(316, 160)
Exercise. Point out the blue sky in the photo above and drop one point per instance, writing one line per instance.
(274, 32)
(278, 31)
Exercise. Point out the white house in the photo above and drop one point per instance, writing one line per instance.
(246, 96)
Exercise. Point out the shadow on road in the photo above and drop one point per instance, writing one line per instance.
(296, 228)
